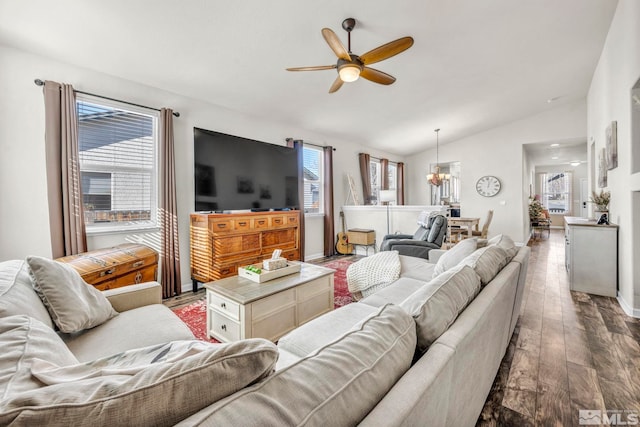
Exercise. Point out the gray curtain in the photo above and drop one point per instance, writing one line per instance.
(400, 184)
(298, 144)
(66, 215)
(384, 171)
(365, 175)
(167, 207)
(329, 222)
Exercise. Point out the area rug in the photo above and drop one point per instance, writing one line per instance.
(195, 315)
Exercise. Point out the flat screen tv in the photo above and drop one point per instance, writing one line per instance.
(234, 173)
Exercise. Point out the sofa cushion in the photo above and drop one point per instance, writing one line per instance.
(416, 268)
(336, 385)
(140, 327)
(487, 262)
(506, 243)
(453, 256)
(22, 339)
(73, 304)
(436, 305)
(17, 296)
(322, 330)
(161, 394)
(395, 293)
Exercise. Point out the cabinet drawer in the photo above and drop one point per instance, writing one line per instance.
(223, 305)
(242, 224)
(222, 271)
(279, 238)
(277, 221)
(260, 223)
(220, 225)
(291, 219)
(224, 328)
(233, 245)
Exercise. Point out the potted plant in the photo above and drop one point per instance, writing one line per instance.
(601, 200)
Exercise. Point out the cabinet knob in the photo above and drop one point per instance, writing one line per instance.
(223, 327)
(223, 305)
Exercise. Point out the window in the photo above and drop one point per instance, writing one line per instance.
(556, 192)
(313, 183)
(376, 177)
(375, 169)
(117, 146)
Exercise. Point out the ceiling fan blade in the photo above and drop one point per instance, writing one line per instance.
(335, 44)
(316, 68)
(377, 76)
(337, 84)
(387, 50)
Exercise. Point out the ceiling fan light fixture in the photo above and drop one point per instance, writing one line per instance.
(349, 72)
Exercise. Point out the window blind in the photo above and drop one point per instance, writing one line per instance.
(117, 150)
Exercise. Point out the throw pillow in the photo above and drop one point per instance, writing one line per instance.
(453, 256)
(161, 394)
(23, 339)
(435, 306)
(17, 295)
(504, 242)
(487, 262)
(338, 384)
(73, 304)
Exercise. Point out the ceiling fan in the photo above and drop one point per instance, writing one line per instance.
(351, 66)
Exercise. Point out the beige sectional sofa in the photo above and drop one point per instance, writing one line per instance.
(390, 359)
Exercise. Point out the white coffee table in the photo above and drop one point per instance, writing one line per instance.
(239, 308)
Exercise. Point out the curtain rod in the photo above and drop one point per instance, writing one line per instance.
(39, 82)
(319, 146)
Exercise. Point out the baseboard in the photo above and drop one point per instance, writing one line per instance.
(313, 256)
(188, 287)
(633, 312)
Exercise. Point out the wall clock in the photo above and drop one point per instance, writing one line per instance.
(488, 186)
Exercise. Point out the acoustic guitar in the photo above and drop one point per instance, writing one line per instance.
(342, 245)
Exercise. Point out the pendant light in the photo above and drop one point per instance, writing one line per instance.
(436, 177)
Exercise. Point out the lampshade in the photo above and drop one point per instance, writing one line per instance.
(349, 73)
(387, 195)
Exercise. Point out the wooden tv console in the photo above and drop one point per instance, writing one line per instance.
(220, 243)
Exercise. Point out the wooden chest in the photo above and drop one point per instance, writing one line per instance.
(121, 265)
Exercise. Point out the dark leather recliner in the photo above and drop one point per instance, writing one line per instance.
(421, 242)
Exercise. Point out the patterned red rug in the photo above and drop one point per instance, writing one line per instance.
(195, 315)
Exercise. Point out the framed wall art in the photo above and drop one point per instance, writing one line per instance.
(602, 169)
(611, 141)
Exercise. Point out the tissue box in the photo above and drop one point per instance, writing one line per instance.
(274, 264)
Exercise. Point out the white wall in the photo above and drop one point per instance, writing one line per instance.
(24, 217)
(609, 99)
(498, 152)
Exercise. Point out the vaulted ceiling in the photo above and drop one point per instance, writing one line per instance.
(474, 65)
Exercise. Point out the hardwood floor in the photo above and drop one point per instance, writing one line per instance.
(570, 351)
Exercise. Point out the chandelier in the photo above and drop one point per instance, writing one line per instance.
(436, 177)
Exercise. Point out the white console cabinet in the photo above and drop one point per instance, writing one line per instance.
(591, 256)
